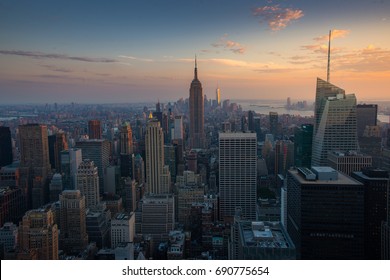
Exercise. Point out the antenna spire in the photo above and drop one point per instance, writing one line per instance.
(196, 69)
(328, 69)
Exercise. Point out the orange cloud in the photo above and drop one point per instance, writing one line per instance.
(369, 59)
(277, 17)
(230, 45)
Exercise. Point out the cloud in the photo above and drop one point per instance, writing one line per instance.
(229, 45)
(277, 17)
(136, 58)
(369, 59)
(56, 69)
(40, 55)
(336, 33)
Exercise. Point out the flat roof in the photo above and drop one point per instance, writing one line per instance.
(268, 235)
(342, 179)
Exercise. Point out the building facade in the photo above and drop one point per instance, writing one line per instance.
(196, 104)
(88, 183)
(73, 233)
(325, 210)
(237, 174)
(334, 122)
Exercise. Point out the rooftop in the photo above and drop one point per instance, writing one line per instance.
(264, 235)
(341, 179)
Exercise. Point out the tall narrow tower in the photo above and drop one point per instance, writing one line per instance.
(237, 174)
(197, 135)
(126, 139)
(34, 161)
(154, 149)
(218, 96)
(94, 129)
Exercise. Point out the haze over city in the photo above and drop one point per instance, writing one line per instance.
(135, 51)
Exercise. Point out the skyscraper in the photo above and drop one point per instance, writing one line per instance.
(94, 129)
(325, 214)
(73, 234)
(5, 146)
(178, 128)
(303, 139)
(158, 217)
(197, 135)
(70, 161)
(154, 149)
(334, 122)
(88, 182)
(218, 96)
(126, 139)
(366, 115)
(122, 229)
(273, 123)
(38, 231)
(98, 151)
(34, 161)
(237, 174)
(57, 143)
(376, 183)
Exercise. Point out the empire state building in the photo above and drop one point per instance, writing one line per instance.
(197, 136)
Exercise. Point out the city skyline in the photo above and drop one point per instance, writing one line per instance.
(143, 51)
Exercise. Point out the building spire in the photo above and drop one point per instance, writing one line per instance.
(328, 69)
(196, 70)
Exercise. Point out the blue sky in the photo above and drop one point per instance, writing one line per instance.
(131, 51)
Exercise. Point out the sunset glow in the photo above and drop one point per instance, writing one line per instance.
(133, 51)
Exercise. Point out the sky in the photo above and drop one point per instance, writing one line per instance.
(143, 50)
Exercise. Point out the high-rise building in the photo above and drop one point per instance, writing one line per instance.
(273, 123)
(376, 183)
(139, 169)
(55, 187)
(98, 225)
(34, 161)
(94, 129)
(257, 240)
(88, 183)
(335, 122)
(99, 152)
(218, 96)
(325, 214)
(178, 128)
(284, 156)
(6, 156)
(251, 121)
(70, 161)
(158, 217)
(303, 139)
(9, 236)
(366, 115)
(12, 204)
(385, 231)
(196, 105)
(39, 232)
(349, 161)
(237, 174)
(154, 148)
(57, 143)
(122, 229)
(127, 165)
(73, 233)
(126, 139)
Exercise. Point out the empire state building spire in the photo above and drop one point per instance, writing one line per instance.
(196, 106)
(196, 70)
